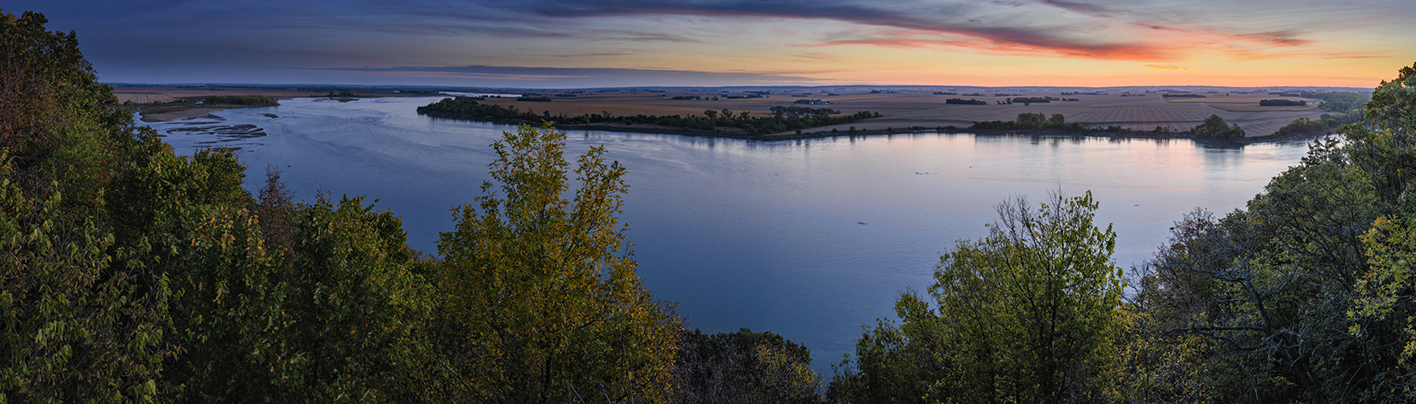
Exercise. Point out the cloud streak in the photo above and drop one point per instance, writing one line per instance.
(137, 37)
(1049, 28)
(554, 77)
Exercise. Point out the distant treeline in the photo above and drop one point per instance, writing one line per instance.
(965, 102)
(1213, 128)
(240, 99)
(1338, 102)
(534, 99)
(1182, 96)
(1030, 100)
(1031, 121)
(1344, 108)
(782, 119)
(1282, 103)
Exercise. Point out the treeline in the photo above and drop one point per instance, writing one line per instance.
(1031, 120)
(1343, 109)
(1214, 127)
(1032, 100)
(1338, 101)
(1282, 103)
(961, 101)
(132, 274)
(240, 99)
(782, 118)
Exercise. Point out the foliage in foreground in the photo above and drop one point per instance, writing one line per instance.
(128, 273)
(743, 367)
(131, 274)
(1308, 295)
(1024, 315)
(543, 302)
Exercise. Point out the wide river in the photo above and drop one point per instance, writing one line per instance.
(806, 238)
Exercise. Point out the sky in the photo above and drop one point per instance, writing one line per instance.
(616, 43)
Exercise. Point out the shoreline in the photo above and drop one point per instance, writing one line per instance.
(884, 132)
(180, 111)
(199, 110)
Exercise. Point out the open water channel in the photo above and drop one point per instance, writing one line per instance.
(806, 238)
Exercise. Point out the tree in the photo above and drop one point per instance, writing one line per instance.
(1305, 294)
(743, 367)
(80, 324)
(544, 304)
(1026, 314)
(895, 364)
(1032, 307)
(1215, 128)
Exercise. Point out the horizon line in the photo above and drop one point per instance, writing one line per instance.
(706, 87)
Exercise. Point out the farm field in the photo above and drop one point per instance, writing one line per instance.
(913, 107)
(146, 94)
(1138, 108)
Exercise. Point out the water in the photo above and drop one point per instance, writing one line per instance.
(806, 238)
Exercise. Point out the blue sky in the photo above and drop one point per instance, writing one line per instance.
(550, 43)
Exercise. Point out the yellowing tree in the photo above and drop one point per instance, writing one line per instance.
(543, 301)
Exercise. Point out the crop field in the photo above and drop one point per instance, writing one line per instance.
(1137, 109)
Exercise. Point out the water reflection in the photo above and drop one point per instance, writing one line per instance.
(809, 238)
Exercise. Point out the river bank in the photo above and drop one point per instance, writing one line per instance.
(1109, 134)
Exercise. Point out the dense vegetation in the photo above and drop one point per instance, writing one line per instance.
(1030, 100)
(962, 101)
(1215, 128)
(1028, 314)
(131, 274)
(1343, 108)
(1305, 296)
(1031, 120)
(240, 99)
(1282, 103)
(783, 118)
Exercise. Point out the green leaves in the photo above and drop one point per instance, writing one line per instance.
(1027, 314)
(1215, 128)
(544, 303)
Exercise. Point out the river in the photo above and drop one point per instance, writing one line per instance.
(806, 238)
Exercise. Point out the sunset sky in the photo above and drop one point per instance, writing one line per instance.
(603, 43)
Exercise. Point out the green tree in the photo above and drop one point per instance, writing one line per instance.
(1027, 314)
(1215, 128)
(80, 324)
(743, 367)
(1304, 294)
(543, 298)
(1032, 307)
(895, 364)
